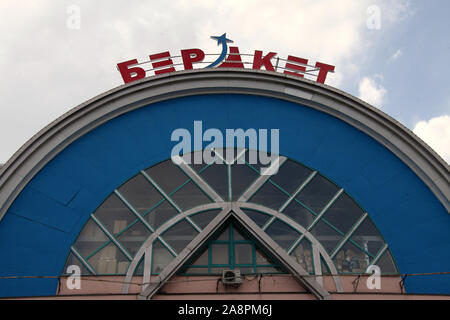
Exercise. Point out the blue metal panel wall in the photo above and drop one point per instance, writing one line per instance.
(40, 226)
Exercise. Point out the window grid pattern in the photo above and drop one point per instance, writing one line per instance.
(342, 245)
(238, 252)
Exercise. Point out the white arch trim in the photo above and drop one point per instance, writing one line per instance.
(52, 139)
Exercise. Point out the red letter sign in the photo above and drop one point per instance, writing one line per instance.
(296, 67)
(130, 74)
(163, 63)
(323, 70)
(190, 56)
(259, 60)
(233, 60)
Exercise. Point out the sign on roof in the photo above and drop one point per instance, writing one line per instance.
(230, 57)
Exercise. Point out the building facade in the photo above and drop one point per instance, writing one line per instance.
(349, 188)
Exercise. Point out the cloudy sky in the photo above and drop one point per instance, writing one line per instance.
(56, 54)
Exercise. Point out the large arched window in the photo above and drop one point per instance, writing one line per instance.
(164, 207)
(231, 248)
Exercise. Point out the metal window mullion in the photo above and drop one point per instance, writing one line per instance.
(296, 192)
(260, 181)
(209, 257)
(349, 234)
(161, 191)
(231, 257)
(113, 239)
(238, 156)
(98, 249)
(84, 262)
(168, 246)
(268, 223)
(193, 224)
(306, 207)
(325, 209)
(221, 156)
(254, 256)
(154, 206)
(295, 244)
(316, 264)
(198, 180)
(230, 183)
(252, 167)
(279, 187)
(379, 254)
(148, 266)
(134, 211)
(332, 227)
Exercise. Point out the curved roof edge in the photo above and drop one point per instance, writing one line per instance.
(53, 138)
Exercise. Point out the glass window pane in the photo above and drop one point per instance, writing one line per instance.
(202, 260)
(262, 258)
(270, 196)
(114, 215)
(139, 271)
(90, 238)
(196, 271)
(237, 235)
(219, 253)
(109, 260)
(386, 263)
(317, 193)
(259, 218)
(325, 269)
(225, 235)
(259, 161)
(299, 214)
(268, 270)
(218, 270)
(343, 213)
(167, 175)
(230, 154)
(368, 237)
(162, 213)
(140, 193)
(133, 238)
(161, 257)
(73, 260)
(242, 177)
(327, 236)
(252, 158)
(202, 219)
(282, 234)
(350, 259)
(189, 196)
(303, 255)
(217, 177)
(246, 270)
(190, 159)
(243, 253)
(291, 175)
(180, 235)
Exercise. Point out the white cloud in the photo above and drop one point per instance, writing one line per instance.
(397, 10)
(51, 69)
(372, 92)
(436, 133)
(396, 55)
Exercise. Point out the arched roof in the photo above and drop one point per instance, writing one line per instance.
(78, 123)
(40, 149)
